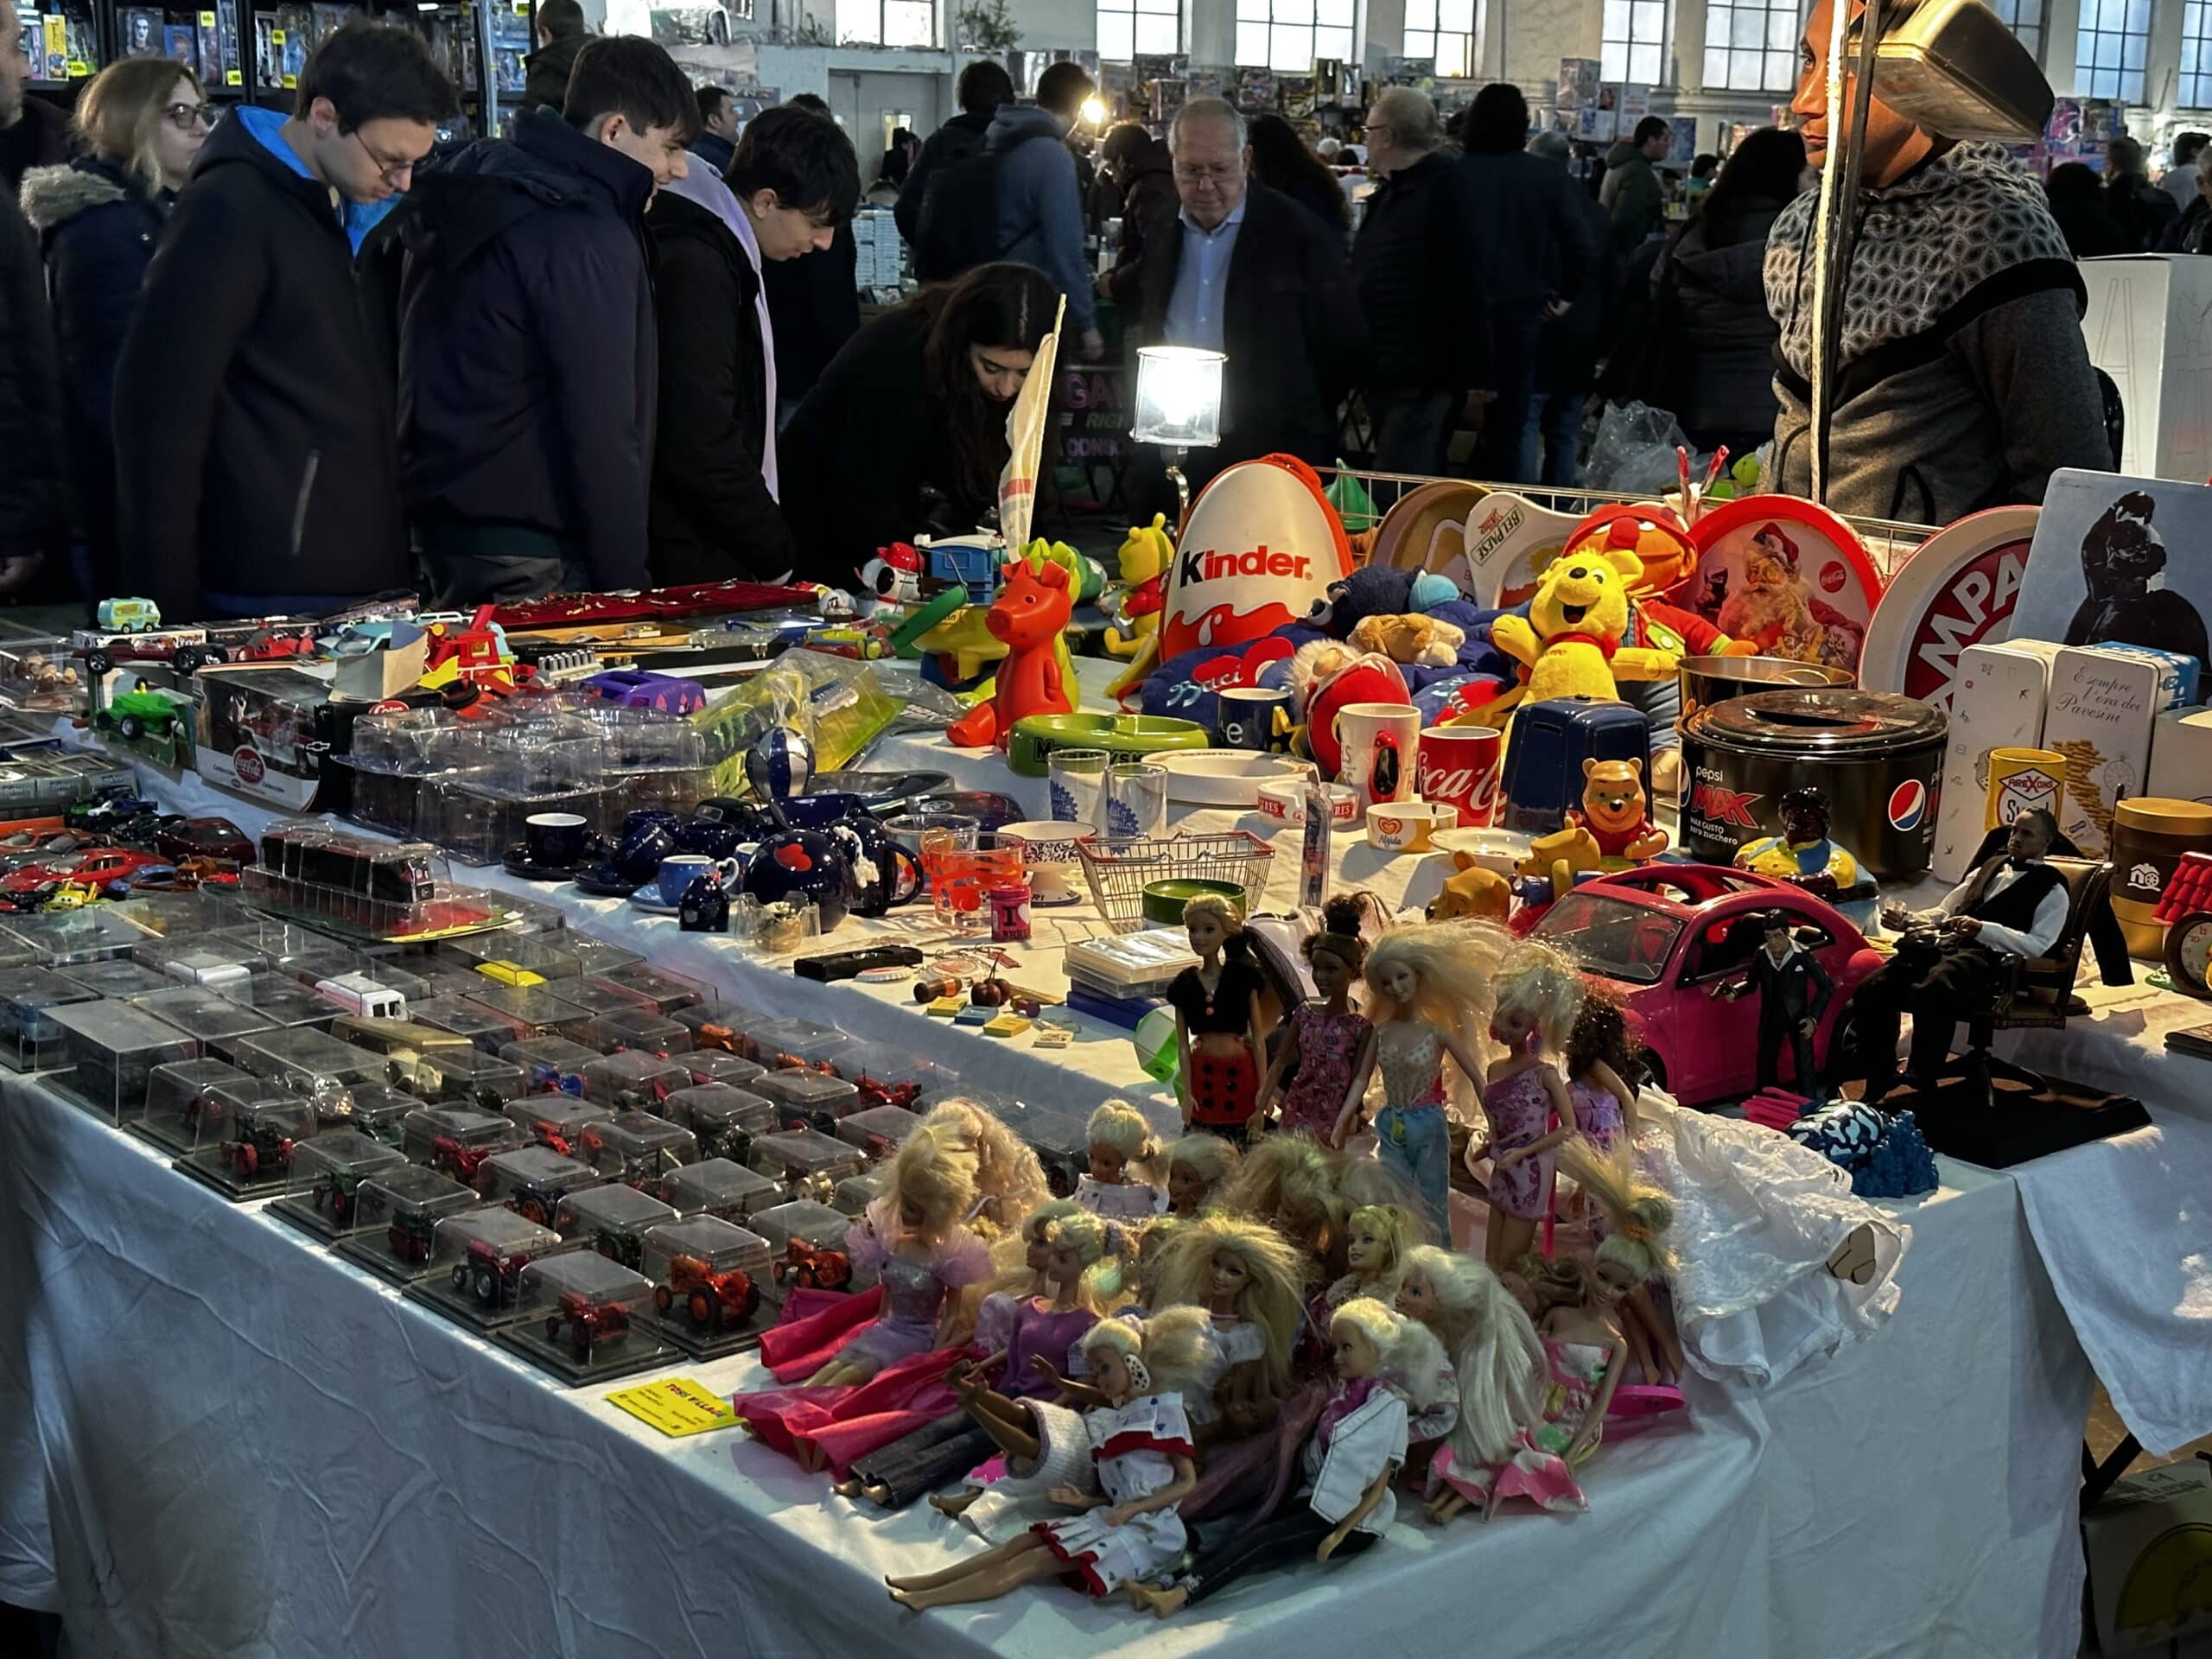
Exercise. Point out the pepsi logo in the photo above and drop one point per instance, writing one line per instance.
(1909, 805)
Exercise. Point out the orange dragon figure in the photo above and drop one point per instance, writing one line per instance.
(1030, 614)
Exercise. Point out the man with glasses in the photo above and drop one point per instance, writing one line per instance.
(528, 350)
(33, 132)
(256, 465)
(1245, 270)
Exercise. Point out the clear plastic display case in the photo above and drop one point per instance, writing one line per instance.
(780, 1043)
(595, 956)
(808, 1163)
(715, 1025)
(720, 1066)
(531, 1011)
(248, 1136)
(586, 1319)
(596, 996)
(806, 1247)
(476, 823)
(725, 1119)
(533, 1180)
(643, 1029)
(113, 1047)
(219, 1023)
(488, 1031)
(805, 1099)
(392, 1231)
(119, 978)
(60, 938)
(1062, 1143)
(215, 964)
(457, 1141)
(29, 1038)
(281, 1000)
(400, 1044)
(633, 1080)
(719, 1187)
(298, 953)
(469, 1076)
(555, 1119)
(710, 1280)
(816, 1050)
(667, 992)
(517, 953)
(363, 888)
(309, 1061)
(473, 1273)
(853, 1195)
(889, 1076)
(878, 1131)
(551, 1065)
(637, 1148)
(612, 1219)
(323, 1187)
(178, 1096)
(377, 1110)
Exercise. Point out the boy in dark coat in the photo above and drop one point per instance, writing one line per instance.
(528, 353)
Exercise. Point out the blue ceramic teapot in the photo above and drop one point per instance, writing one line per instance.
(808, 864)
(884, 873)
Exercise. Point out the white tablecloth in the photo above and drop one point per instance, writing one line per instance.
(215, 1438)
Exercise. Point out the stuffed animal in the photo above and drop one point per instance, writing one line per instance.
(1613, 832)
(1473, 890)
(1135, 605)
(1570, 640)
(1374, 590)
(1410, 639)
(1029, 614)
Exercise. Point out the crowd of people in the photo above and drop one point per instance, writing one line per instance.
(276, 362)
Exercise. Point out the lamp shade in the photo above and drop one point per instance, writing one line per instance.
(1179, 396)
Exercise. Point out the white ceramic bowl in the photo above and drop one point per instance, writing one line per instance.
(1407, 826)
(1048, 854)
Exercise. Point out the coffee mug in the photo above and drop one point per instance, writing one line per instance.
(1380, 741)
(1255, 717)
(1049, 854)
(555, 840)
(648, 836)
(677, 872)
(1460, 764)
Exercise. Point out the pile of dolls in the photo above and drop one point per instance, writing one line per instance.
(1235, 1351)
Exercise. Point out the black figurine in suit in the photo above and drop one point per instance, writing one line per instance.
(1793, 991)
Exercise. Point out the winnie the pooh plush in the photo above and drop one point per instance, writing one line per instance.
(1570, 640)
(1472, 890)
(1136, 605)
(1410, 639)
(1613, 832)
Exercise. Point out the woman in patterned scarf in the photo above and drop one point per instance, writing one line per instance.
(1963, 380)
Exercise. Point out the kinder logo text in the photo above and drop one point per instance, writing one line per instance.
(1204, 564)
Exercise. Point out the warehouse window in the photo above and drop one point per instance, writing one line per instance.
(1288, 35)
(1444, 30)
(887, 23)
(1633, 44)
(2109, 47)
(2024, 19)
(1129, 27)
(1750, 45)
(2196, 54)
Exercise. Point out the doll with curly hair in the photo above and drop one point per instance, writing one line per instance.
(1198, 1169)
(1121, 1181)
(1603, 1072)
(1009, 1181)
(1250, 1281)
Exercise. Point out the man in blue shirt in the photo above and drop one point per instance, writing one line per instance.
(1245, 270)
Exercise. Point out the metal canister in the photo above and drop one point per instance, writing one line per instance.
(1708, 680)
(2149, 835)
(1878, 756)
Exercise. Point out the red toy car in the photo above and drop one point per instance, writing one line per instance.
(96, 866)
(178, 839)
(589, 1322)
(712, 1299)
(1674, 940)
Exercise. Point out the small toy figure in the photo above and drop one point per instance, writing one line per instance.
(1143, 1464)
(1497, 1364)
(1432, 989)
(1029, 615)
(892, 577)
(1803, 852)
(1328, 1046)
(1218, 1031)
(1474, 891)
(808, 1267)
(1631, 1252)
(1376, 1239)
(704, 907)
(1383, 1361)
(1198, 1166)
(1570, 641)
(1525, 1101)
(711, 1300)
(1135, 606)
(1611, 830)
(590, 1323)
(1793, 990)
(1248, 1278)
(1603, 1073)
(1120, 1141)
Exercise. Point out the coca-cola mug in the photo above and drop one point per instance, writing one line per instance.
(1459, 764)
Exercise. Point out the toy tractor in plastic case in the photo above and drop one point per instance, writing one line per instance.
(489, 1276)
(711, 1301)
(410, 1237)
(257, 1149)
(590, 1323)
(810, 1267)
(452, 1156)
(336, 1190)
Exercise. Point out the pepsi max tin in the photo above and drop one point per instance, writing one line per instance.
(1878, 755)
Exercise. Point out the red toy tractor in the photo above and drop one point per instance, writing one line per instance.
(712, 1299)
(589, 1322)
(808, 1267)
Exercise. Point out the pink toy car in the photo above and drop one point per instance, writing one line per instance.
(1673, 942)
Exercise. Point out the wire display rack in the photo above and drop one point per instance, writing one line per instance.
(1890, 542)
(1120, 868)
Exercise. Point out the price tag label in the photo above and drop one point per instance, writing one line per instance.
(676, 1406)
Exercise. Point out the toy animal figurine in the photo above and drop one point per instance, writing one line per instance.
(892, 577)
(1473, 890)
(1416, 638)
(1029, 615)
(1612, 831)
(1570, 641)
(1135, 605)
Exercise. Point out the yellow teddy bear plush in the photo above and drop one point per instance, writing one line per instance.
(1570, 641)
(1136, 602)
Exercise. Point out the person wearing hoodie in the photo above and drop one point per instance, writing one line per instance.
(1708, 353)
(560, 35)
(983, 86)
(1145, 173)
(142, 121)
(715, 143)
(1962, 380)
(1630, 194)
(255, 469)
(715, 479)
(33, 132)
(1039, 198)
(528, 354)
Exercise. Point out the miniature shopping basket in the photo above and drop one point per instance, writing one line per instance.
(1120, 867)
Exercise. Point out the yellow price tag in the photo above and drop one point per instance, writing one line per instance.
(678, 1406)
(206, 20)
(276, 37)
(233, 77)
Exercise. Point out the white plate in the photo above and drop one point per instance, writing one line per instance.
(1223, 777)
(1494, 849)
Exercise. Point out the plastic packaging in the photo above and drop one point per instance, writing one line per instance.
(710, 1279)
(613, 1220)
(725, 1119)
(554, 957)
(781, 1043)
(490, 1031)
(457, 1141)
(308, 1061)
(1061, 1140)
(472, 1077)
(377, 1110)
(248, 1136)
(29, 1038)
(477, 1260)
(119, 978)
(219, 1023)
(805, 1099)
(719, 1187)
(531, 1010)
(720, 1066)
(555, 1119)
(95, 933)
(596, 996)
(360, 887)
(584, 1316)
(808, 1163)
(633, 1080)
(853, 1195)
(322, 1187)
(217, 965)
(400, 1044)
(533, 1180)
(393, 1227)
(597, 956)
(551, 1065)
(806, 1247)
(888, 1076)
(114, 1047)
(667, 992)
(637, 1148)
(878, 1131)
(719, 1025)
(177, 1096)
(281, 1000)
(643, 1029)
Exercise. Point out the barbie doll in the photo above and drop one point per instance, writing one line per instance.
(1328, 1045)
(1384, 1362)
(1198, 1166)
(1376, 1240)
(1631, 1219)
(1248, 1277)
(1498, 1366)
(1074, 1271)
(1125, 1526)
(1292, 1184)
(1009, 1181)
(1602, 1072)
(1121, 1142)
(1218, 1021)
(1525, 1101)
(1431, 985)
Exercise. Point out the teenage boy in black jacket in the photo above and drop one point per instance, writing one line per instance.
(792, 182)
(527, 347)
(255, 468)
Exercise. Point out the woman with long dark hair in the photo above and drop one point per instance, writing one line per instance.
(906, 431)
(1282, 162)
(1709, 353)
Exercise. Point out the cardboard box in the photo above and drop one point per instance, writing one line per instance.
(1996, 703)
(2149, 1543)
(2145, 327)
(263, 731)
(2104, 700)
(2181, 755)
